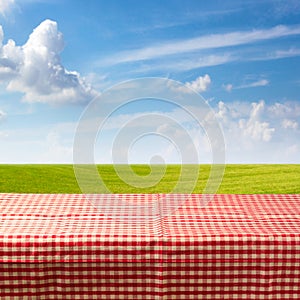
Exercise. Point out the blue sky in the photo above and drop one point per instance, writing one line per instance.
(243, 57)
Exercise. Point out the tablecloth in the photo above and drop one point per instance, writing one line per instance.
(59, 246)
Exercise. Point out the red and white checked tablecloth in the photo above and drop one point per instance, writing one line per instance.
(149, 247)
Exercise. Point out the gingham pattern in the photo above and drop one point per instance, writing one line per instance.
(149, 247)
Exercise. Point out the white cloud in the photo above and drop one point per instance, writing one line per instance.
(281, 9)
(5, 6)
(282, 54)
(57, 151)
(228, 87)
(233, 112)
(253, 127)
(212, 41)
(287, 53)
(222, 112)
(194, 62)
(2, 115)
(38, 144)
(285, 110)
(262, 82)
(200, 84)
(252, 131)
(286, 123)
(255, 133)
(35, 69)
(246, 125)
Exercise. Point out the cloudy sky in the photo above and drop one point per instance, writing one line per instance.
(243, 57)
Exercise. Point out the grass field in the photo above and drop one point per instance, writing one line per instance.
(238, 179)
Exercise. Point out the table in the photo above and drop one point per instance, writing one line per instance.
(149, 246)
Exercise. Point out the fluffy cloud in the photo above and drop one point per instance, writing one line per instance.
(260, 132)
(254, 127)
(200, 84)
(286, 123)
(5, 5)
(285, 110)
(251, 125)
(35, 68)
(253, 133)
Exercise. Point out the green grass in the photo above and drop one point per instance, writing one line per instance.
(238, 179)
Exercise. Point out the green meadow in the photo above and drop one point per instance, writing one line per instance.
(238, 179)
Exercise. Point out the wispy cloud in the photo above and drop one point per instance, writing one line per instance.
(261, 82)
(176, 64)
(286, 53)
(277, 54)
(258, 83)
(212, 41)
(187, 18)
(5, 6)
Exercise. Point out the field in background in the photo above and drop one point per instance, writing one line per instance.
(238, 179)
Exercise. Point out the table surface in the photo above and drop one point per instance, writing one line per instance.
(74, 227)
(149, 246)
